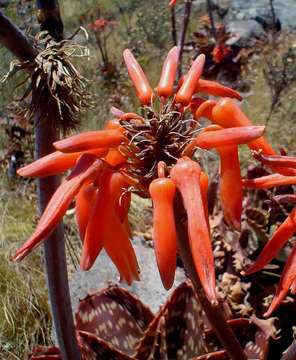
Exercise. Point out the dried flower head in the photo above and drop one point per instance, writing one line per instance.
(54, 80)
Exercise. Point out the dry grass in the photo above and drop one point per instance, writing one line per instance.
(24, 313)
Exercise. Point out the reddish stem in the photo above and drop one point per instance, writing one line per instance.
(213, 313)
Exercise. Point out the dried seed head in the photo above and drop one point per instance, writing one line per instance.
(54, 85)
(161, 135)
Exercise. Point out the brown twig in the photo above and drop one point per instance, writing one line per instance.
(213, 313)
(181, 42)
(211, 16)
(173, 25)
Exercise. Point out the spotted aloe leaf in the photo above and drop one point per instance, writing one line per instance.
(101, 349)
(45, 353)
(216, 355)
(114, 316)
(177, 330)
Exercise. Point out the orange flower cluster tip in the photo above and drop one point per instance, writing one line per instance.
(150, 154)
(285, 231)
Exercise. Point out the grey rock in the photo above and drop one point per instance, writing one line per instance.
(245, 28)
(149, 290)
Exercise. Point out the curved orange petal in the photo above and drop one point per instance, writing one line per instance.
(165, 86)
(83, 206)
(115, 157)
(55, 163)
(162, 192)
(231, 191)
(138, 78)
(186, 176)
(105, 229)
(208, 139)
(287, 282)
(187, 89)
(86, 169)
(283, 233)
(216, 89)
(121, 252)
(204, 187)
(228, 114)
(98, 223)
(205, 110)
(269, 181)
(90, 140)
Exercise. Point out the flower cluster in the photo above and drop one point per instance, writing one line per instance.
(152, 155)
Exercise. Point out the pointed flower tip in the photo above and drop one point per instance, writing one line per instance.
(85, 263)
(138, 78)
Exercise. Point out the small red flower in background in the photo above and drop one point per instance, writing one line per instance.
(220, 52)
(150, 154)
(172, 3)
(101, 24)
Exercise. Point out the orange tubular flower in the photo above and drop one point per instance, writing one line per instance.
(269, 181)
(216, 89)
(204, 187)
(114, 157)
(138, 78)
(83, 205)
(213, 136)
(165, 86)
(284, 232)
(287, 282)
(105, 217)
(55, 163)
(186, 176)
(231, 190)
(162, 192)
(86, 170)
(205, 110)
(136, 153)
(228, 114)
(90, 140)
(187, 89)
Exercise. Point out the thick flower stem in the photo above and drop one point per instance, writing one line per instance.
(46, 133)
(54, 249)
(213, 313)
(55, 260)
